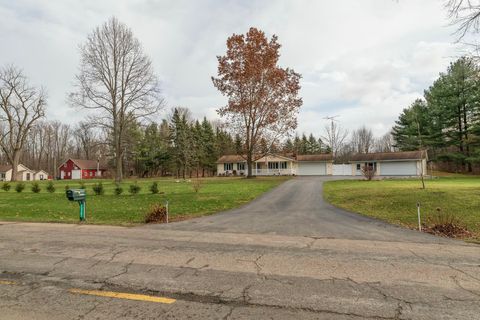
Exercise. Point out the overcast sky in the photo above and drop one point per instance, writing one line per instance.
(363, 60)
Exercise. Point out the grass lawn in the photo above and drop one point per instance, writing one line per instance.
(216, 194)
(395, 200)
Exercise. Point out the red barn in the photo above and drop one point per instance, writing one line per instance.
(81, 169)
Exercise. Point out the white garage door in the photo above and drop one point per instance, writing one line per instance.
(76, 174)
(398, 168)
(312, 169)
(342, 169)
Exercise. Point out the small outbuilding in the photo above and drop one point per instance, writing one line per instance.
(41, 175)
(23, 173)
(406, 163)
(77, 169)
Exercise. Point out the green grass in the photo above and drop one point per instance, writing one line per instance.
(216, 194)
(395, 200)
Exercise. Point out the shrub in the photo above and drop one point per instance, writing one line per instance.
(448, 224)
(6, 186)
(98, 189)
(197, 185)
(50, 187)
(19, 187)
(156, 214)
(36, 187)
(368, 172)
(67, 187)
(118, 189)
(134, 188)
(82, 185)
(154, 187)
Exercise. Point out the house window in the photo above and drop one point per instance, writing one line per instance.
(273, 165)
(359, 166)
(41, 177)
(2, 175)
(28, 176)
(283, 165)
(241, 166)
(227, 166)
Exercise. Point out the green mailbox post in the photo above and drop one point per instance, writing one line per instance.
(80, 196)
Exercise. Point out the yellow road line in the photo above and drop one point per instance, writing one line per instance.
(121, 295)
(6, 282)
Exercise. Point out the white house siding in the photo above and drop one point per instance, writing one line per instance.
(312, 168)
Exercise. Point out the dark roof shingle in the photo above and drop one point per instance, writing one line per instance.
(386, 156)
(87, 164)
(315, 157)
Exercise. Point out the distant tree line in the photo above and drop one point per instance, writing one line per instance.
(446, 121)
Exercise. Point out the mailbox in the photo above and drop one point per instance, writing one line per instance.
(79, 195)
(76, 194)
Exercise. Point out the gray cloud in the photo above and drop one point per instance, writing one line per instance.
(362, 60)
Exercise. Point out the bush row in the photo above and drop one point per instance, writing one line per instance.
(97, 188)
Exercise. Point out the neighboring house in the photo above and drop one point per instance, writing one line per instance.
(23, 173)
(75, 169)
(275, 164)
(41, 175)
(407, 163)
(411, 163)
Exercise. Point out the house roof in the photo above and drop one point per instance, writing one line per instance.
(315, 157)
(231, 158)
(5, 167)
(85, 164)
(309, 157)
(388, 156)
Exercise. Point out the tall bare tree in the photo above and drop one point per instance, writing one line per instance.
(21, 105)
(335, 137)
(362, 140)
(116, 79)
(263, 100)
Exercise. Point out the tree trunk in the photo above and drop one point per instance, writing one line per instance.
(15, 162)
(249, 165)
(119, 167)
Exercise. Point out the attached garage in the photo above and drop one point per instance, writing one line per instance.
(312, 169)
(405, 163)
(398, 168)
(314, 164)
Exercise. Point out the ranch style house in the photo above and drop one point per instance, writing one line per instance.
(406, 163)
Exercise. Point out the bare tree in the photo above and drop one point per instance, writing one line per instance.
(116, 79)
(465, 14)
(335, 137)
(263, 100)
(385, 143)
(362, 140)
(21, 105)
(86, 139)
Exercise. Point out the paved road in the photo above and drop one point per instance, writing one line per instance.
(297, 208)
(299, 258)
(230, 275)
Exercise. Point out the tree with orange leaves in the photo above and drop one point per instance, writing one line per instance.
(263, 100)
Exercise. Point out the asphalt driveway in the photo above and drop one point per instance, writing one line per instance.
(297, 208)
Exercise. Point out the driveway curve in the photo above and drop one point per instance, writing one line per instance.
(297, 208)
